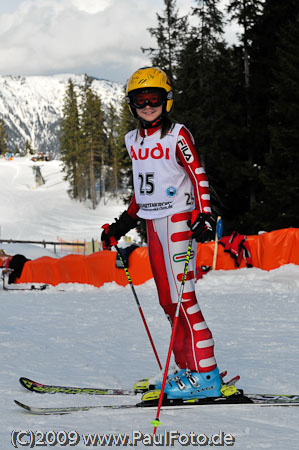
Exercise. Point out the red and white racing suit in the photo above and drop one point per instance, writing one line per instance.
(170, 183)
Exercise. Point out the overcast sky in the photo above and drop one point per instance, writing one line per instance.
(102, 38)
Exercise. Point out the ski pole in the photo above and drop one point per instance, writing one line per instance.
(218, 236)
(114, 243)
(139, 307)
(157, 422)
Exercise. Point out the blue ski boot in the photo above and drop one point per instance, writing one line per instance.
(192, 385)
(171, 377)
(149, 384)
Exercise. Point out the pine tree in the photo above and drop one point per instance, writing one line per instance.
(247, 13)
(204, 92)
(200, 50)
(170, 36)
(281, 175)
(117, 128)
(265, 37)
(92, 148)
(210, 26)
(70, 140)
(113, 160)
(28, 148)
(3, 138)
(126, 123)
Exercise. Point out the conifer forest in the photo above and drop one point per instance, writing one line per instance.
(240, 101)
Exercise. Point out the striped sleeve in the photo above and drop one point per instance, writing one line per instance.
(188, 157)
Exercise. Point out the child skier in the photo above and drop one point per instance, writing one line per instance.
(171, 193)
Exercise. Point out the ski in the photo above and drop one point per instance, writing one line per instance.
(237, 399)
(31, 288)
(40, 388)
(140, 387)
(6, 272)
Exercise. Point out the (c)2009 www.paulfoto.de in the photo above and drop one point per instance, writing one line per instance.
(31, 439)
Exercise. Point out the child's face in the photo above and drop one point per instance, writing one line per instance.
(150, 113)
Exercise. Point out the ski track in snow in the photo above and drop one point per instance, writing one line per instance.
(80, 335)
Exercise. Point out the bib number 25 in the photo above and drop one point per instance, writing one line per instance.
(146, 186)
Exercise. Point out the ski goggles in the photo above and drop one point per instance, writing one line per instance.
(152, 98)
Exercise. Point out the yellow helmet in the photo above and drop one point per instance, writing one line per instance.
(148, 78)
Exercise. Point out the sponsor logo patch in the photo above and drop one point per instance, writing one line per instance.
(171, 191)
(186, 151)
(157, 152)
(178, 257)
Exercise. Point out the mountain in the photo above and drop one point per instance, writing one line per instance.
(31, 107)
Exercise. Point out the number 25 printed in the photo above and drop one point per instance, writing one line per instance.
(147, 186)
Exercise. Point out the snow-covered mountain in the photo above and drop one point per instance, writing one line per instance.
(32, 106)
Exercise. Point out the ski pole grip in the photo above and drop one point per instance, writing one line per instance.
(105, 227)
(112, 239)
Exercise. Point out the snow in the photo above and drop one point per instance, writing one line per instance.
(46, 212)
(80, 335)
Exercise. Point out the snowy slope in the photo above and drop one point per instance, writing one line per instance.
(28, 212)
(32, 106)
(95, 336)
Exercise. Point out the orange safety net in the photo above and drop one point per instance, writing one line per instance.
(95, 269)
(268, 250)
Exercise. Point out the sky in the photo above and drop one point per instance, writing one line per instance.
(102, 38)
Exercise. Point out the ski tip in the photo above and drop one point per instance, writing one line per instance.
(22, 379)
(27, 383)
